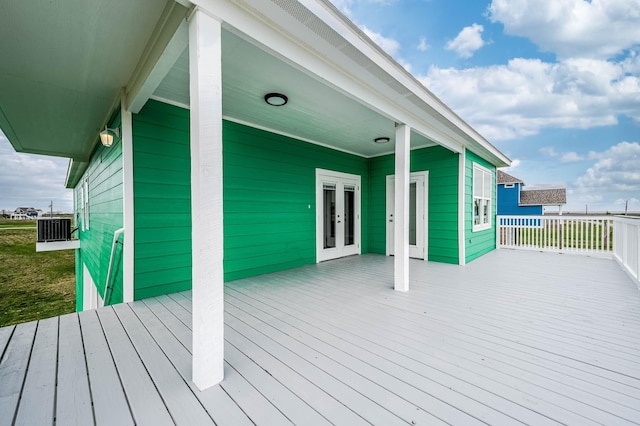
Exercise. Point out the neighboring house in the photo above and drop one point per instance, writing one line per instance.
(30, 212)
(249, 137)
(19, 216)
(513, 199)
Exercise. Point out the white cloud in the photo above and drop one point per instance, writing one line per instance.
(548, 150)
(514, 164)
(570, 157)
(467, 41)
(617, 170)
(527, 95)
(28, 180)
(572, 28)
(389, 45)
(423, 46)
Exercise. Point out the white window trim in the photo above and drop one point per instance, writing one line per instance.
(509, 185)
(482, 226)
(85, 204)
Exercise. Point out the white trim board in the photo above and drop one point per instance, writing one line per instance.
(339, 179)
(389, 202)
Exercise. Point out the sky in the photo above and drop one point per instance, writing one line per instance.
(554, 84)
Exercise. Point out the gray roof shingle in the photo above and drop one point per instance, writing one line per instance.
(507, 178)
(544, 197)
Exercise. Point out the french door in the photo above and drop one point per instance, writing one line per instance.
(337, 214)
(418, 197)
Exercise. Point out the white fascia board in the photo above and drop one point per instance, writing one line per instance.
(170, 38)
(295, 46)
(75, 170)
(334, 18)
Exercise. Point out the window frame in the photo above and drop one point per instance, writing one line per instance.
(486, 200)
(85, 204)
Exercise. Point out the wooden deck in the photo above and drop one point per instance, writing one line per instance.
(513, 337)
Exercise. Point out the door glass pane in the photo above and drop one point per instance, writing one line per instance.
(349, 215)
(329, 209)
(412, 214)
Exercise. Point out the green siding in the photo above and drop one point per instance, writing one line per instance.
(105, 217)
(481, 242)
(162, 200)
(442, 204)
(269, 199)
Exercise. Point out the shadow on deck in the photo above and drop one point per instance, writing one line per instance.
(513, 337)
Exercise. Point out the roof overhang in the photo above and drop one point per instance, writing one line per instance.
(67, 66)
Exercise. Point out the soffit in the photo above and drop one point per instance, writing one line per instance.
(315, 112)
(63, 65)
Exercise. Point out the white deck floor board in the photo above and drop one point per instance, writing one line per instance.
(511, 390)
(40, 382)
(425, 374)
(361, 404)
(402, 400)
(110, 404)
(511, 338)
(5, 336)
(409, 385)
(13, 369)
(474, 324)
(298, 297)
(73, 400)
(217, 402)
(147, 406)
(180, 401)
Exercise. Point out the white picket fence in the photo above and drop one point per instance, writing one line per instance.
(564, 234)
(626, 246)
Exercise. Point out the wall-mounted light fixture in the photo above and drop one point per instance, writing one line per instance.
(382, 139)
(276, 99)
(107, 135)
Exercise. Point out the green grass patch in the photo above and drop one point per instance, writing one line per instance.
(8, 223)
(33, 285)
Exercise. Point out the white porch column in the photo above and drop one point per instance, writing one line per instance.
(401, 210)
(127, 201)
(205, 88)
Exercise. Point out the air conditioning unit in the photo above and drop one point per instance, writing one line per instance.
(54, 229)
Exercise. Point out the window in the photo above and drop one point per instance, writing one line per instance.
(509, 185)
(482, 191)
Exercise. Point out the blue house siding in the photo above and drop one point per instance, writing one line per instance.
(508, 199)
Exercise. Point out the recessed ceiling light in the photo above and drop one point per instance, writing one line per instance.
(382, 139)
(276, 99)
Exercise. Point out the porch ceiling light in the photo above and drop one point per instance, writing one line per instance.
(382, 139)
(107, 135)
(276, 99)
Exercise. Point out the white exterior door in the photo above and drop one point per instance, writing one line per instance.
(337, 214)
(418, 197)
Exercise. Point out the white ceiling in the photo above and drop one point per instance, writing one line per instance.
(315, 112)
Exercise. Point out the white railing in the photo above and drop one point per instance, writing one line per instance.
(108, 281)
(626, 247)
(563, 234)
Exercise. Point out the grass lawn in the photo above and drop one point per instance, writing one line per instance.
(33, 285)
